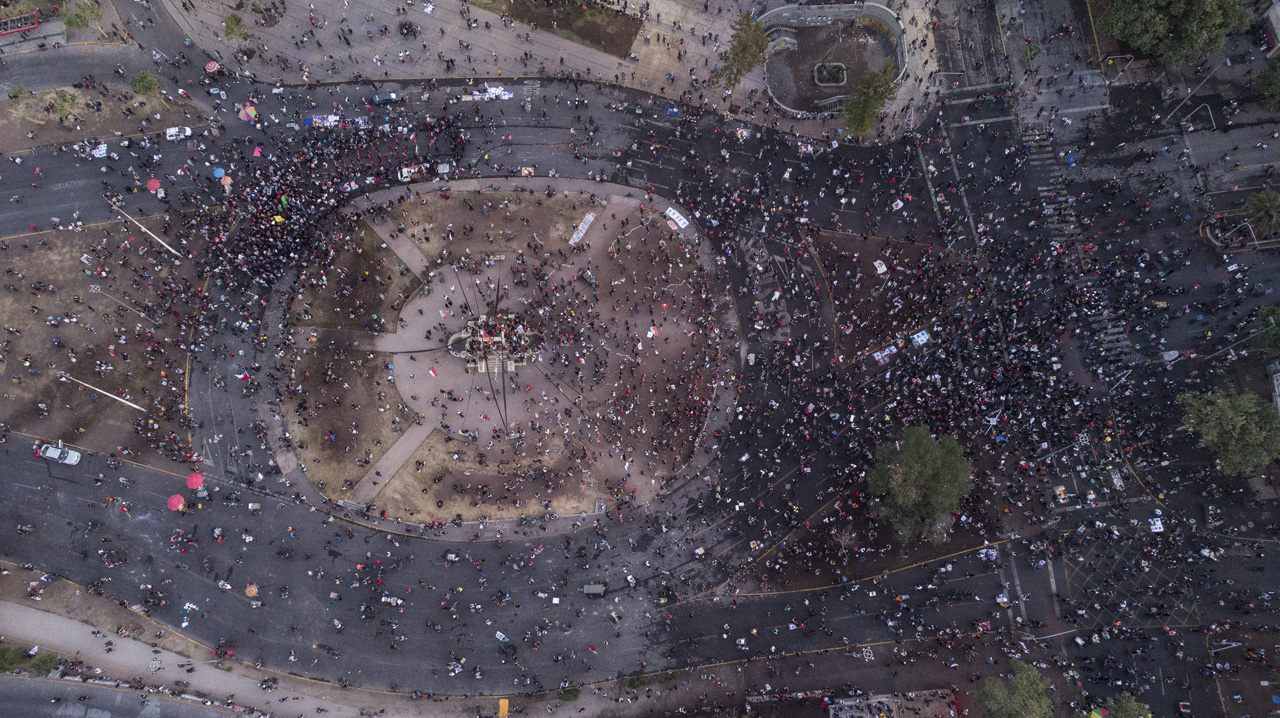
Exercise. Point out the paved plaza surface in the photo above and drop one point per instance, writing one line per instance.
(620, 470)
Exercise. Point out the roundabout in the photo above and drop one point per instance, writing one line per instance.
(540, 354)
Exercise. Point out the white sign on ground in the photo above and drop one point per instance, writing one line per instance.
(581, 231)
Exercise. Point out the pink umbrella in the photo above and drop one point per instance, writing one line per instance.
(195, 480)
(177, 503)
(153, 185)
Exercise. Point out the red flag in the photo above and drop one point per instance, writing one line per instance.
(433, 371)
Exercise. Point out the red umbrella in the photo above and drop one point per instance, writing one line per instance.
(177, 503)
(153, 185)
(195, 480)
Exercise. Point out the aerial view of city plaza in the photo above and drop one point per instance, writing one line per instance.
(897, 359)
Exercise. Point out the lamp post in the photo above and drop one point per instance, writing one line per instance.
(65, 377)
(1245, 223)
(172, 251)
(97, 289)
(1193, 92)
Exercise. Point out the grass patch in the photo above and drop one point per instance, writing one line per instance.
(638, 681)
(441, 480)
(587, 24)
(13, 658)
(48, 8)
(568, 695)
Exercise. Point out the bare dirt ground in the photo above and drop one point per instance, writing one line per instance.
(590, 24)
(73, 303)
(99, 111)
(343, 410)
(632, 327)
(874, 310)
(364, 290)
(346, 414)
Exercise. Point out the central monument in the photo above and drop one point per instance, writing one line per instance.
(501, 342)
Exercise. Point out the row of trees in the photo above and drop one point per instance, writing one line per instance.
(1025, 694)
(1178, 31)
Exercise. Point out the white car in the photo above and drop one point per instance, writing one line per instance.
(174, 134)
(60, 454)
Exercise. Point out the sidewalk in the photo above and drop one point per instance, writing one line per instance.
(131, 659)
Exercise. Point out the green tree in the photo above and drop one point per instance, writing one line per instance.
(862, 106)
(234, 27)
(1269, 318)
(1241, 429)
(84, 15)
(1269, 84)
(918, 481)
(64, 102)
(145, 83)
(1178, 30)
(1025, 695)
(1126, 706)
(1264, 211)
(745, 51)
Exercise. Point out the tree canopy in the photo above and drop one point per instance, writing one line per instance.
(145, 83)
(1264, 211)
(64, 102)
(1126, 706)
(1025, 695)
(1269, 318)
(1269, 84)
(918, 481)
(1178, 30)
(84, 15)
(1241, 429)
(862, 106)
(745, 51)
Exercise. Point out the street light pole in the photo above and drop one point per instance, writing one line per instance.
(67, 377)
(97, 289)
(1193, 92)
(173, 251)
(1245, 223)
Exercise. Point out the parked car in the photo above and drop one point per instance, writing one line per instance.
(386, 98)
(174, 134)
(60, 454)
